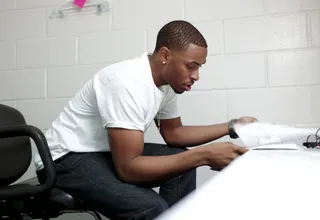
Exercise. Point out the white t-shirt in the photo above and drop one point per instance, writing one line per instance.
(120, 95)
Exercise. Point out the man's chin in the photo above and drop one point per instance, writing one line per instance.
(178, 91)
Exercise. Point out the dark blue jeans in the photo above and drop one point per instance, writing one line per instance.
(91, 178)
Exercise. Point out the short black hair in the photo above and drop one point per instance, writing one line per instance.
(178, 34)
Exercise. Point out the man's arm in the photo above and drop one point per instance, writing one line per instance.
(175, 134)
(127, 147)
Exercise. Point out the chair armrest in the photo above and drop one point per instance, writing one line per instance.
(15, 191)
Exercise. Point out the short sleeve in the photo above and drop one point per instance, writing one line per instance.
(122, 104)
(169, 108)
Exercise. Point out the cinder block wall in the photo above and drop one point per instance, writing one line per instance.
(264, 57)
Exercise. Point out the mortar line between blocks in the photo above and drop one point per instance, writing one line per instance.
(77, 50)
(266, 68)
(46, 34)
(265, 7)
(309, 30)
(312, 109)
(45, 83)
(145, 42)
(239, 89)
(223, 38)
(293, 49)
(111, 19)
(227, 103)
(15, 56)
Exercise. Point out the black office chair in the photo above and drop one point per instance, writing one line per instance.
(29, 199)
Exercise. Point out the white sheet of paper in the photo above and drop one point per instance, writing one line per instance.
(264, 134)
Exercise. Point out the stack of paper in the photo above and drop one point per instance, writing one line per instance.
(270, 136)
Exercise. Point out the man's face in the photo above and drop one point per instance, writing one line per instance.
(182, 69)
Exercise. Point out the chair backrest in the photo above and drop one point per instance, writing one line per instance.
(15, 152)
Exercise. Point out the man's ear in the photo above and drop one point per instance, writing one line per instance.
(164, 54)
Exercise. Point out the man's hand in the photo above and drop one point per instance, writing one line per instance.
(220, 155)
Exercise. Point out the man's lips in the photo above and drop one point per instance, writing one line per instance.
(188, 86)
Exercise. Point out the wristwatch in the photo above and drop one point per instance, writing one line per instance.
(232, 132)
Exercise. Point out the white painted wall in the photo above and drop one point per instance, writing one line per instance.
(264, 57)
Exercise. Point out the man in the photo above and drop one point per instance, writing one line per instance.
(97, 142)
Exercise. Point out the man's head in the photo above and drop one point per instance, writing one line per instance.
(181, 50)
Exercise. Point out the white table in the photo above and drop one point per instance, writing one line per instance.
(260, 185)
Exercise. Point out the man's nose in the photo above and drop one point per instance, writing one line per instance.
(195, 75)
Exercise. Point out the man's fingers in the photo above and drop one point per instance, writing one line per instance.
(247, 119)
(241, 150)
(254, 120)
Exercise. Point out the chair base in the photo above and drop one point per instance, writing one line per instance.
(94, 214)
(28, 209)
(30, 216)
(25, 216)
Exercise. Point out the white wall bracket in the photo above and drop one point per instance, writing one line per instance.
(100, 5)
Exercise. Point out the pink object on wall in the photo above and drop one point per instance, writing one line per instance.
(79, 3)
